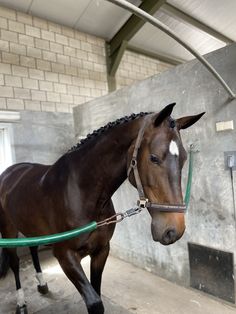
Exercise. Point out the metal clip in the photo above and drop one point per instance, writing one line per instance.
(142, 203)
(132, 211)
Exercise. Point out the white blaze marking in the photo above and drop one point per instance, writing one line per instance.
(40, 279)
(174, 150)
(20, 297)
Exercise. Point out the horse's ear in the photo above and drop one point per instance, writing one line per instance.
(186, 122)
(163, 114)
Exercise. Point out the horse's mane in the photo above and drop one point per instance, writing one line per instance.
(107, 127)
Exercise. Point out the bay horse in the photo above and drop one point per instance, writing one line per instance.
(39, 200)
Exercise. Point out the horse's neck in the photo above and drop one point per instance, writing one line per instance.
(105, 164)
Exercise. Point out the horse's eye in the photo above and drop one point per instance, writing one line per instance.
(155, 159)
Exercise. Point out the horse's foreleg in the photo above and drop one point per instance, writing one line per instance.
(42, 286)
(98, 262)
(70, 263)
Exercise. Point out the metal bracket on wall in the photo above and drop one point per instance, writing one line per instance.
(149, 18)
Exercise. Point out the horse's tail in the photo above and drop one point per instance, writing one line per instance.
(4, 258)
(4, 263)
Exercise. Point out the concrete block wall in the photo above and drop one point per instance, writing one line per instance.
(136, 67)
(49, 67)
(46, 66)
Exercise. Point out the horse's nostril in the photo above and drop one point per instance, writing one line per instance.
(169, 236)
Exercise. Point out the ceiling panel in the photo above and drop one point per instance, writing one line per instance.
(151, 38)
(218, 14)
(103, 19)
(59, 11)
(21, 5)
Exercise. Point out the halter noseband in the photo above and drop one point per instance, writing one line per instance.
(143, 202)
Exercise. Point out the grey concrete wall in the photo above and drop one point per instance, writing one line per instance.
(210, 219)
(42, 136)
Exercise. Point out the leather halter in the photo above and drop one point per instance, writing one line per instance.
(143, 202)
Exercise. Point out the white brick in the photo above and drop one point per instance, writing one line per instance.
(56, 47)
(79, 100)
(63, 59)
(48, 106)
(10, 58)
(26, 40)
(78, 81)
(61, 39)
(85, 91)
(9, 36)
(71, 70)
(3, 23)
(48, 35)
(16, 27)
(30, 83)
(34, 52)
(24, 18)
(22, 93)
(42, 44)
(32, 31)
(76, 62)
(27, 62)
(68, 32)
(3, 103)
(4, 45)
(2, 79)
(40, 23)
(7, 13)
(38, 95)
(6, 91)
(18, 49)
(13, 81)
(46, 86)
(33, 105)
(88, 65)
(73, 90)
(93, 57)
(53, 27)
(86, 46)
(19, 71)
(66, 98)
(60, 88)
(36, 74)
(50, 76)
(50, 56)
(53, 97)
(5, 68)
(62, 107)
(74, 43)
(80, 36)
(15, 104)
(59, 68)
(68, 51)
(65, 79)
(43, 65)
(82, 54)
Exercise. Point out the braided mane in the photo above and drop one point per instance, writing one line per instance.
(107, 127)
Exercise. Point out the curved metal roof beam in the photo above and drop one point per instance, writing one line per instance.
(149, 18)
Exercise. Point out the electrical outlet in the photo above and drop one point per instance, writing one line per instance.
(230, 160)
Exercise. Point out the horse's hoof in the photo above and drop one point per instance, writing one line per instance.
(21, 309)
(96, 308)
(43, 289)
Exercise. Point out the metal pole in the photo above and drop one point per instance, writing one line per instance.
(149, 18)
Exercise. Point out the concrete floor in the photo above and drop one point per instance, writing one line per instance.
(126, 290)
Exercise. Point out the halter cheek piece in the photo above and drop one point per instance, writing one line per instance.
(143, 202)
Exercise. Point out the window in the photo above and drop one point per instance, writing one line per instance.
(5, 147)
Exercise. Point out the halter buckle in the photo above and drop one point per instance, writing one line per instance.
(142, 202)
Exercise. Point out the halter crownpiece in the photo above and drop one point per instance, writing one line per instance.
(144, 202)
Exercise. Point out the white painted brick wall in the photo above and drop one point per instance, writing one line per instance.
(49, 67)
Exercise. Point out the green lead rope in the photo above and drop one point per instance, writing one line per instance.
(190, 176)
(59, 237)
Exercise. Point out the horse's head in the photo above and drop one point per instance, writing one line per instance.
(160, 159)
